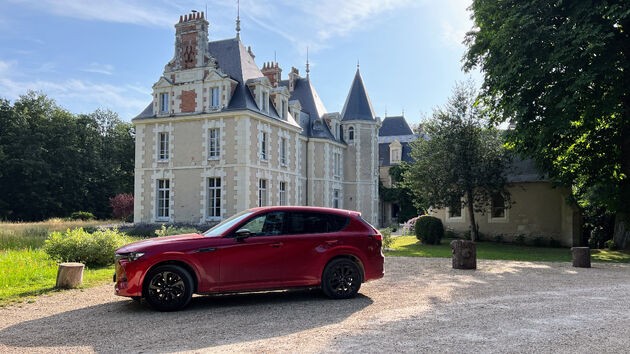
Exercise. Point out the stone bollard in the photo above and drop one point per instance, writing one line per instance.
(69, 275)
(464, 254)
(581, 257)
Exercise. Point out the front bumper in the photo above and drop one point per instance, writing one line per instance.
(127, 278)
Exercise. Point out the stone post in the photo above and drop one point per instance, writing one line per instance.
(464, 254)
(69, 275)
(581, 257)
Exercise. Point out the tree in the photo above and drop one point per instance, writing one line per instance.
(462, 162)
(560, 71)
(399, 193)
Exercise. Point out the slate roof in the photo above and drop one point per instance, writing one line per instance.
(358, 105)
(234, 60)
(524, 170)
(312, 109)
(395, 126)
(383, 154)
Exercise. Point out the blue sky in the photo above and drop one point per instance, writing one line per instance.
(107, 54)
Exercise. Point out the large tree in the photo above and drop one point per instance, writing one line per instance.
(463, 161)
(560, 71)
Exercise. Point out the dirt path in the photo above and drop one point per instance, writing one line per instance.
(422, 305)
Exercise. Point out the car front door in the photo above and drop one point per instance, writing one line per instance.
(254, 262)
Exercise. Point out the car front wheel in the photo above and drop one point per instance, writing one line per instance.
(341, 279)
(168, 288)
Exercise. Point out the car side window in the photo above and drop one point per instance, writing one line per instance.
(314, 223)
(269, 224)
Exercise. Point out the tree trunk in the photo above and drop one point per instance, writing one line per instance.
(464, 254)
(474, 232)
(622, 231)
(622, 218)
(69, 275)
(581, 257)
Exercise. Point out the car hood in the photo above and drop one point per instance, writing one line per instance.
(167, 240)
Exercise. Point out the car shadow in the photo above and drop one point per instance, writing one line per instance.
(209, 321)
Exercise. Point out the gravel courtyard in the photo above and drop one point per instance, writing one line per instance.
(422, 305)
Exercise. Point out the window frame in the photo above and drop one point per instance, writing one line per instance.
(263, 187)
(214, 143)
(351, 134)
(163, 193)
(264, 147)
(163, 152)
(282, 187)
(500, 219)
(210, 201)
(215, 102)
(283, 151)
(163, 104)
(450, 218)
(336, 199)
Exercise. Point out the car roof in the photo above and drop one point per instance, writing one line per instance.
(308, 208)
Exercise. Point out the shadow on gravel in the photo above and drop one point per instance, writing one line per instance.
(209, 321)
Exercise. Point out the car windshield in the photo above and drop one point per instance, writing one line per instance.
(220, 228)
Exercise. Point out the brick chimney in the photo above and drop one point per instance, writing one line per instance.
(295, 73)
(273, 72)
(191, 41)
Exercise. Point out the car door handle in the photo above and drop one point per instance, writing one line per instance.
(277, 244)
(210, 249)
(332, 242)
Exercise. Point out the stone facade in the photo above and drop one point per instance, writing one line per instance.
(221, 136)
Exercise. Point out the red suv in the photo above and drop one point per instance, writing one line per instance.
(258, 249)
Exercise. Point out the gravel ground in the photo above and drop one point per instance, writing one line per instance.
(422, 305)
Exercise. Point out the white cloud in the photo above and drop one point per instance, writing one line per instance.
(455, 21)
(94, 67)
(7, 66)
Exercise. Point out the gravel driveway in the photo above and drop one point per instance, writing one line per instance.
(422, 305)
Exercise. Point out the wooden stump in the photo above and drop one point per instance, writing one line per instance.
(464, 254)
(581, 257)
(69, 275)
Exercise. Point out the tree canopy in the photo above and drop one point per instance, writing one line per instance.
(560, 71)
(462, 162)
(54, 162)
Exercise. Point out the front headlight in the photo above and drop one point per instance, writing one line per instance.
(131, 256)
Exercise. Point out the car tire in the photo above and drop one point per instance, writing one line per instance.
(341, 279)
(168, 288)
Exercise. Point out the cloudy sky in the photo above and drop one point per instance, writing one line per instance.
(89, 54)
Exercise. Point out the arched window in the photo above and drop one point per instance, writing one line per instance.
(351, 134)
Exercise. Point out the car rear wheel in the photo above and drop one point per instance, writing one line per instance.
(341, 279)
(168, 288)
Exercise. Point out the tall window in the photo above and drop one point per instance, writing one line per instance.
(163, 146)
(336, 198)
(283, 151)
(283, 109)
(214, 198)
(163, 198)
(215, 97)
(351, 134)
(164, 102)
(262, 192)
(283, 193)
(336, 164)
(214, 144)
(498, 206)
(263, 146)
(265, 102)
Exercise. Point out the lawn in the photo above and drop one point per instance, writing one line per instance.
(409, 246)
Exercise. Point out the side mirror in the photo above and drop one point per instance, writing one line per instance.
(242, 234)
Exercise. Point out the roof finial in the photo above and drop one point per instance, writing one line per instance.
(403, 112)
(238, 19)
(357, 64)
(274, 57)
(385, 111)
(308, 70)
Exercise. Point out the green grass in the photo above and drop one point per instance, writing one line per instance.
(26, 273)
(409, 246)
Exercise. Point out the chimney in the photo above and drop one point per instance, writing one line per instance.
(191, 41)
(295, 73)
(273, 72)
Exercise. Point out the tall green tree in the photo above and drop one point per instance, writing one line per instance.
(560, 71)
(463, 161)
(400, 194)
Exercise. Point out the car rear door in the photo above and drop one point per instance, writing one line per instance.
(309, 236)
(255, 262)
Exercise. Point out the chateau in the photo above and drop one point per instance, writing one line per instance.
(223, 135)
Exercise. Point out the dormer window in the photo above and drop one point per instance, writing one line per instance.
(283, 110)
(163, 102)
(215, 97)
(265, 102)
(395, 152)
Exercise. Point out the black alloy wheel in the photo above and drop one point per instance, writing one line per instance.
(168, 288)
(341, 279)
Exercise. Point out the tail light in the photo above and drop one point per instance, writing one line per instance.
(377, 236)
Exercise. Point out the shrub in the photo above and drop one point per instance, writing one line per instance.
(394, 227)
(520, 239)
(82, 215)
(451, 234)
(498, 238)
(554, 243)
(93, 250)
(429, 230)
(598, 238)
(409, 226)
(539, 242)
(387, 237)
(122, 206)
(173, 230)
(610, 244)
